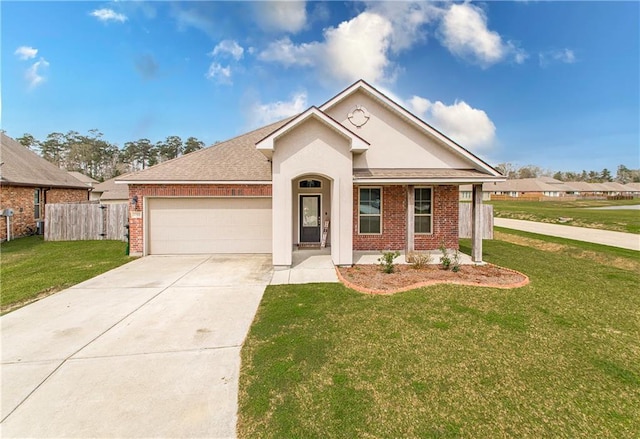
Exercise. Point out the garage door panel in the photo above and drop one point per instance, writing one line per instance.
(209, 225)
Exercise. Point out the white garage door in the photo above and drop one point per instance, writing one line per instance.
(209, 225)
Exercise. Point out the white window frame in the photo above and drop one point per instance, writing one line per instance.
(37, 207)
(415, 215)
(381, 209)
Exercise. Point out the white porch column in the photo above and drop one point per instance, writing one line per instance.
(282, 222)
(476, 224)
(410, 221)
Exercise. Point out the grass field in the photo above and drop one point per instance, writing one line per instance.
(557, 358)
(32, 267)
(581, 216)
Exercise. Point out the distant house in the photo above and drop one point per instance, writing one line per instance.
(529, 187)
(466, 192)
(586, 189)
(83, 178)
(632, 189)
(108, 192)
(27, 183)
(547, 187)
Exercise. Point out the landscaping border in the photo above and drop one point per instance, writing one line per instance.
(364, 290)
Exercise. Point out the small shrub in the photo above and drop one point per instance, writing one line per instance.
(445, 259)
(386, 260)
(456, 262)
(419, 260)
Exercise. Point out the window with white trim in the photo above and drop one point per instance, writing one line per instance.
(422, 210)
(36, 204)
(370, 211)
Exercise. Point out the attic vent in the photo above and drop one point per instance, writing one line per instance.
(310, 183)
(358, 116)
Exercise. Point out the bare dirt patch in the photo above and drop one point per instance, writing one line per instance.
(371, 279)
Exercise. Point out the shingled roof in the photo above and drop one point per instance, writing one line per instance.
(23, 167)
(236, 159)
(109, 190)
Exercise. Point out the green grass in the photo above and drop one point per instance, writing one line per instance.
(31, 266)
(557, 358)
(551, 211)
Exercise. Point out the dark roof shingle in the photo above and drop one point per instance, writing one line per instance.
(22, 167)
(236, 159)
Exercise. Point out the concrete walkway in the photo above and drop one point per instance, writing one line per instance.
(150, 349)
(308, 266)
(605, 237)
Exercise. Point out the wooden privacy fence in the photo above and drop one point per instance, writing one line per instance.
(464, 221)
(85, 222)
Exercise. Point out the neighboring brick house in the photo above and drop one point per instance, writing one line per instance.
(382, 178)
(27, 183)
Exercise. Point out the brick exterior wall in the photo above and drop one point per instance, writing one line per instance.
(136, 219)
(445, 220)
(21, 198)
(394, 221)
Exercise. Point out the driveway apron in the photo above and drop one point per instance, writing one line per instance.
(150, 349)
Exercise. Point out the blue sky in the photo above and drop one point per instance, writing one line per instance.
(553, 84)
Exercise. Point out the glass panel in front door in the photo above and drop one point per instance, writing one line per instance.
(309, 212)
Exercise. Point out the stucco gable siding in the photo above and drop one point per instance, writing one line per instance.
(394, 141)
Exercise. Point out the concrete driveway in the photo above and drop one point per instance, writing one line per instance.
(150, 349)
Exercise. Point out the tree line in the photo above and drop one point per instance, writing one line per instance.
(623, 174)
(100, 159)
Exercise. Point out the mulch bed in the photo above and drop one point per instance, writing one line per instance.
(371, 278)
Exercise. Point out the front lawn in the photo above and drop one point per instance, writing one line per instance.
(574, 213)
(32, 267)
(557, 358)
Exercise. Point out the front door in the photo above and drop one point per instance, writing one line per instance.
(310, 218)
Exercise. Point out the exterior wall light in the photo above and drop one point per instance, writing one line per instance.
(134, 200)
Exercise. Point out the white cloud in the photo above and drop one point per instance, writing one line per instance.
(105, 15)
(408, 20)
(283, 51)
(281, 16)
(470, 127)
(355, 49)
(464, 32)
(566, 56)
(33, 75)
(229, 47)
(26, 52)
(263, 114)
(358, 48)
(218, 73)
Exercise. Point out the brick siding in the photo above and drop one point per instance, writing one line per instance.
(445, 220)
(183, 190)
(21, 198)
(394, 221)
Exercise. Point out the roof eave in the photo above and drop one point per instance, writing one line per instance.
(193, 182)
(430, 180)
